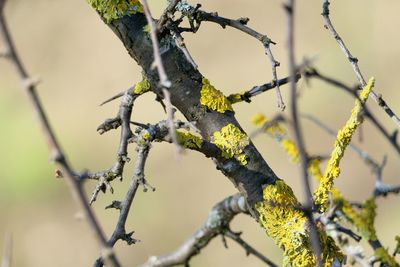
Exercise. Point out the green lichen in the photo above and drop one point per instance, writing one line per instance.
(280, 215)
(397, 248)
(189, 140)
(363, 220)
(141, 87)
(368, 214)
(382, 255)
(146, 28)
(213, 98)
(115, 9)
(231, 140)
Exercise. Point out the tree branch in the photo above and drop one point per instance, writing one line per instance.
(354, 62)
(392, 138)
(56, 152)
(309, 204)
(124, 207)
(194, 14)
(216, 224)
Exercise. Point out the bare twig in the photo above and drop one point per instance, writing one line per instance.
(164, 82)
(354, 63)
(270, 123)
(256, 90)
(382, 189)
(181, 44)
(217, 223)
(196, 15)
(114, 97)
(53, 145)
(8, 244)
(124, 207)
(122, 119)
(167, 12)
(392, 138)
(249, 249)
(314, 235)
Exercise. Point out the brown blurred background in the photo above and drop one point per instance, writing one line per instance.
(82, 63)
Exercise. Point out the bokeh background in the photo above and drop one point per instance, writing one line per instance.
(81, 63)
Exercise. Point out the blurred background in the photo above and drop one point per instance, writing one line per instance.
(81, 63)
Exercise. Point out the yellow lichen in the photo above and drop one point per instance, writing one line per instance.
(368, 214)
(146, 135)
(141, 87)
(291, 149)
(275, 130)
(342, 141)
(231, 140)
(314, 170)
(259, 119)
(189, 140)
(235, 98)
(213, 98)
(115, 9)
(280, 215)
(279, 133)
(363, 221)
(382, 255)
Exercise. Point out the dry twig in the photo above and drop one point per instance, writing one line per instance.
(216, 224)
(354, 63)
(57, 155)
(309, 205)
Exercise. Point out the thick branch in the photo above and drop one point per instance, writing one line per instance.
(185, 94)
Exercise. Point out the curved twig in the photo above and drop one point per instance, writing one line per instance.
(354, 63)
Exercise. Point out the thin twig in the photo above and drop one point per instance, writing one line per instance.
(248, 248)
(381, 189)
(8, 245)
(113, 98)
(124, 207)
(256, 90)
(122, 119)
(164, 82)
(165, 15)
(270, 123)
(194, 14)
(392, 138)
(217, 223)
(354, 63)
(363, 154)
(55, 149)
(181, 44)
(314, 235)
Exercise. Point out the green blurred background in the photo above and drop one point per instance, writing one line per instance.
(81, 63)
